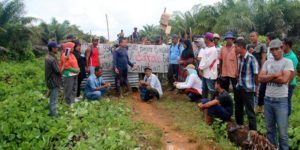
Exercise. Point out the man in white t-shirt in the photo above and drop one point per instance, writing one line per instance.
(150, 87)
(208, 66)
(276, 73)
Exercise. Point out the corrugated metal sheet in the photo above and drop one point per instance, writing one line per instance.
(108, 76)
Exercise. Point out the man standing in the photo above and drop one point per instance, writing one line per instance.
(120, 62)
(276, 73)
(259, 51)
(92, 56)
(95, 87)
(208, 66)
(216, 42)
(289, 54)
(53, 77)
(150, 87)
(135, 35)
(174, 57)
(247, 82)
(228, 61)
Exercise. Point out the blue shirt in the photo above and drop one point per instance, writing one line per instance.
(121, 59)
(92, 83)
(248, 67)
(175, 53)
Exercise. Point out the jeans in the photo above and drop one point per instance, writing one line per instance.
(70, 89)
(217, 111)
(290, 95)
(53, 101)
(172, 73)
(193, 94)
(261, 94)
(148, 93)
(276, 119)
(96, 95)
(245, 99)
(208, 86)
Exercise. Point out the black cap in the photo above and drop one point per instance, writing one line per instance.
(52, 44)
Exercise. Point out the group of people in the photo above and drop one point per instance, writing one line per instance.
(255, 71)
(200, 68)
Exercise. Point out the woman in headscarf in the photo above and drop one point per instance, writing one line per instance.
(187, 57)
(193, 84)
(81, 63)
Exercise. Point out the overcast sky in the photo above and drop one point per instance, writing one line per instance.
(122, 14)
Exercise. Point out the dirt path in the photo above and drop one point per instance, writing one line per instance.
(172, 138)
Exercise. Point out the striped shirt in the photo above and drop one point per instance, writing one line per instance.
(248, 67)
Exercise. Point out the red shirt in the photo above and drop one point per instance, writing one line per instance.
(94, 59)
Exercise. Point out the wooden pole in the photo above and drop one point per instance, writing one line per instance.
(107, 26)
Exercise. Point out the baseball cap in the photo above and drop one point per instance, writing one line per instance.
(146, 68)
(216, 35)
(275, 44)
(209, 35)
(52, 44)
(175, 36)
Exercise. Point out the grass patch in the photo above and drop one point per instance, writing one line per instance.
(187, 118)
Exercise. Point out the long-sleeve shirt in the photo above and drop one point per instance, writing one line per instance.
(193, 82)
(154, 83)
(209, 63)
(52, 72)
(121, 59)
(175, 53)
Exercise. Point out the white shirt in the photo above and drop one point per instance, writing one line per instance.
(154, 83)
(194, 82)
(209, 63)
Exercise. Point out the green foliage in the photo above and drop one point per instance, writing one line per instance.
(241, 17)
(59, 31)
(294, 122)
(15, 34)
(86, 125)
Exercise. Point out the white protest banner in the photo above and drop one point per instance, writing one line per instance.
(155, 56)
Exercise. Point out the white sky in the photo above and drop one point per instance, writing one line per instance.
(122, 14)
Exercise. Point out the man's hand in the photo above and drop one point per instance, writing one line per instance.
(251, 50)
(200, 72)
(117, 71)
(200, 106)
(181, 62)
(142, 82)
(278, 74)
(107, 85)
(87, 69)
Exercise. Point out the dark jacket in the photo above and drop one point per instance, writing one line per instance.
(81, 63)
(121, 59)
(52, 72)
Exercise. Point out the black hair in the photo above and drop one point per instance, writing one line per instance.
(220, 81)
(147, 68)
(76, 42)
(49, 48)
(271, 35)
(121, 40)
(240, 43)
(255, 33)
(98, 69)
(288, 41)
